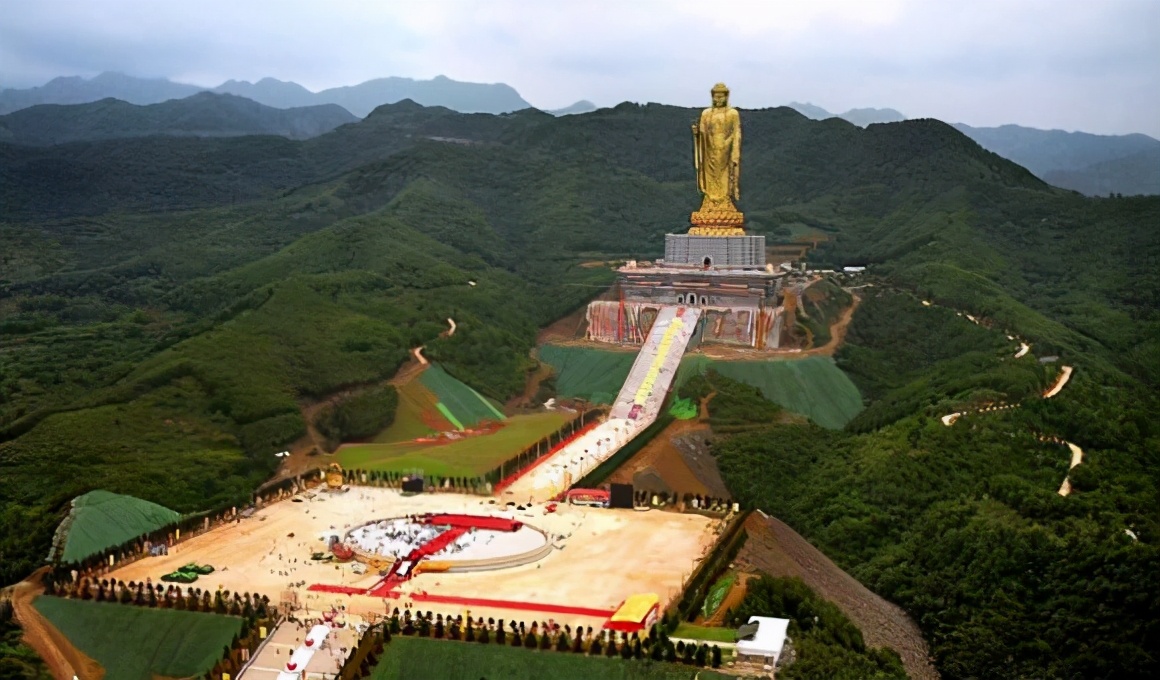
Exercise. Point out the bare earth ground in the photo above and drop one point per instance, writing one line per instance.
(776, 549)
(63, 659)
(607, 555)
(679, 457)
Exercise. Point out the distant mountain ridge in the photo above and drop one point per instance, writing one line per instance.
(358, 99)
(859, 117)
(1137, 174)
(582, 106)
(1091, 164)
(204, 114)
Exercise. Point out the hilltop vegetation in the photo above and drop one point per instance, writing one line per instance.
(167, 305)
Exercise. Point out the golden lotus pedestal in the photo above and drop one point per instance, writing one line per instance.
(717, 223)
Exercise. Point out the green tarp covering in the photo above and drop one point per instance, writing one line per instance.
(683, 409)
(102, 519)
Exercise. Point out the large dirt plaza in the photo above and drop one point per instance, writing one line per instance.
(600, 557)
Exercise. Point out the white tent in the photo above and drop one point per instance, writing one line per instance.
(767, 641)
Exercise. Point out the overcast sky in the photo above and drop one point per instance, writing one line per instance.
(1090, 65)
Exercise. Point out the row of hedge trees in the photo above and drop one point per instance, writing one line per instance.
(656, 646)
(162, 596)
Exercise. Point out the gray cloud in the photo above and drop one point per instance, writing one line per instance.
(1071, 64)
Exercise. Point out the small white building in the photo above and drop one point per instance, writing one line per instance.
(765, 642)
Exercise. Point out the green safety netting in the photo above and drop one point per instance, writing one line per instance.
(591, 374)
(464, 406)
(102, 519)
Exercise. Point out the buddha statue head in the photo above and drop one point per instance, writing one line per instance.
(720, 95)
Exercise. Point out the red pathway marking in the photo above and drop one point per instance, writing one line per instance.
(510, 604)
(438, 543)
(514, 477)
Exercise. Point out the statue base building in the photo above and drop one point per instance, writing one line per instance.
(724, 276)
(736, 250)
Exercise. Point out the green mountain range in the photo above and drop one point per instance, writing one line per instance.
(204, 114)
(167, 303)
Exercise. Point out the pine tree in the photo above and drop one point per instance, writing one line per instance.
(716, 657)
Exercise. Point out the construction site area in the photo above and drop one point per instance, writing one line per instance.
(284, 551)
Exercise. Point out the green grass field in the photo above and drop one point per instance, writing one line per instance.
(137, 643)
(100, 519)
(408, 658)
(465, 458)
(690, 631)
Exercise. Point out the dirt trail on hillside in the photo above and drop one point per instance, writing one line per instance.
(837, 331)
(300, 460)
(62, 658)
(776, 549)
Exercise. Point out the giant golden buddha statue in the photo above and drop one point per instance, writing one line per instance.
(717, 158)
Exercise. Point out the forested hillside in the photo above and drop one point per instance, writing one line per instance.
(167, 303)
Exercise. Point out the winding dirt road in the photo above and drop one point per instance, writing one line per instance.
(63, 659)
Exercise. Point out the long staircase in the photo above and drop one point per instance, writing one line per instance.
(636, 407)
(656, 365)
